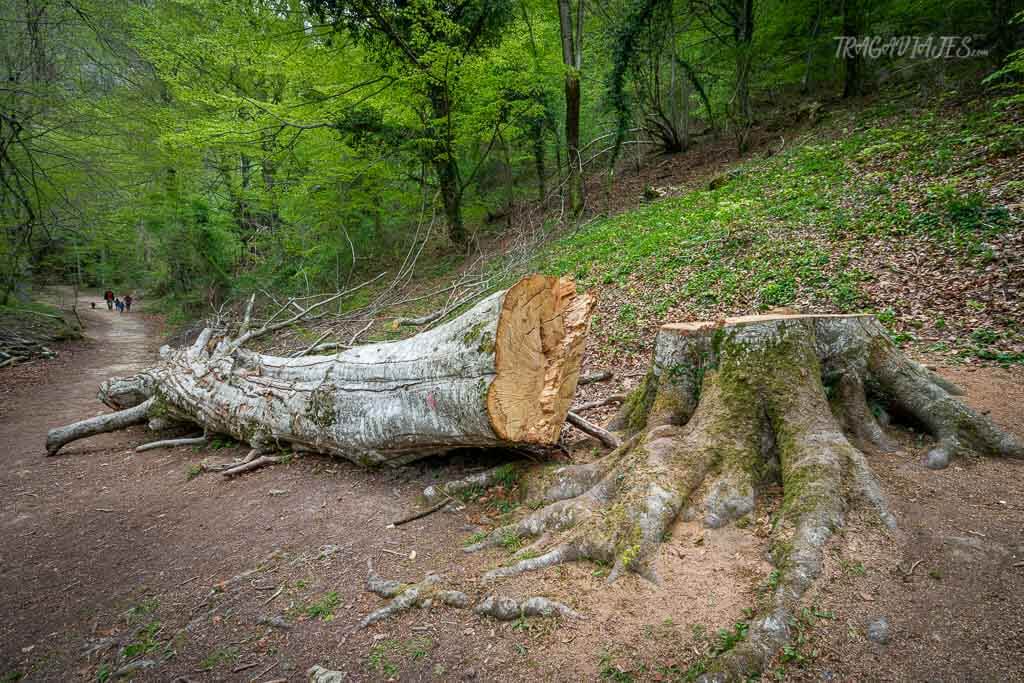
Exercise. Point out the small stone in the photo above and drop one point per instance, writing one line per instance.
(878, 631)
(937, 459)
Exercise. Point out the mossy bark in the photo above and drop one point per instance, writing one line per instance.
(726, 410)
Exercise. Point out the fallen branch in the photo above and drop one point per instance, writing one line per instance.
(421, 514)
(109, 422)
(912, 568)
(259, 462)
(439, 313)
(614, 398)
(592, 377)
(172, 443)
(303, 313)
(358, 334)
(602, 435)
(309, 349)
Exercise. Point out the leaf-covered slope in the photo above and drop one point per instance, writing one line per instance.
(914, 214)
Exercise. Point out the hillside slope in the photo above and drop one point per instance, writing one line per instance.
(912, 213)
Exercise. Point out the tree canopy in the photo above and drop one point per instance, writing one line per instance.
(200, 148)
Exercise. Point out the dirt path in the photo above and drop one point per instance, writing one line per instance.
(107, 557)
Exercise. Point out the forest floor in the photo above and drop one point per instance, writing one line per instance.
(109, 557)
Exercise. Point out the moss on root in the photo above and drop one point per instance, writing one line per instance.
(632, 417)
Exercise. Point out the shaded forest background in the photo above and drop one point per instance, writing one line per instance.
(203, 150)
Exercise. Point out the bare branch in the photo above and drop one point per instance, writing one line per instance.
(602, 435)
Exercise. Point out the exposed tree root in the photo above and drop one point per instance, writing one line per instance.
(404, 596)
(504, 608)
(318, 674)
(726, 411)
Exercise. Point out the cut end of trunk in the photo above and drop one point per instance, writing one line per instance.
(538, 347)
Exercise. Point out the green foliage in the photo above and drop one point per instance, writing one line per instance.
(202, 150)
(729, 638)
(323, 608)
(781, 230)
(144, 641)
(475, 538)
(219, 657)
(384, 656)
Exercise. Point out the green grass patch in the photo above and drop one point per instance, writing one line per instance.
(323, 609)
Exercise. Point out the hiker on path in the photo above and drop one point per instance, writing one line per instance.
(128, 303)
(120, 305)
(108, 296)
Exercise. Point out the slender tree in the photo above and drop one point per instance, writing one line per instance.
(571, 30)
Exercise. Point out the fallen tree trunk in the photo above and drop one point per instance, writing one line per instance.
(502, 374)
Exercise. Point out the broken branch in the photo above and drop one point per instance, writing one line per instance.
(602, 435)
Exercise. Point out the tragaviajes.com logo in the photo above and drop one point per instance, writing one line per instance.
(914, 47)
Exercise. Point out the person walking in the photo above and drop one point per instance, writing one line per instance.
(120, 305)
(108, 296)
(127, 303)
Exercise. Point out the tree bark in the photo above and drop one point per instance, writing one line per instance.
(572, 58)
(743, 34)
(503, 374)
(853, 63)
(445, 165)
(728, 412)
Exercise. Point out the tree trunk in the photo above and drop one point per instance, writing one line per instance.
(445, 165)
(728, 412)
(853, 63)
(744, 37)
(571, 58)
(503, 374)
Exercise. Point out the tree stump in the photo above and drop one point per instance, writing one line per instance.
(727, 409)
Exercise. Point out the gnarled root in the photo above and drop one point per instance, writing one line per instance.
(727, 410)
(404, 596)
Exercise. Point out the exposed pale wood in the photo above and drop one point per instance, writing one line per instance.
(538, 342)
